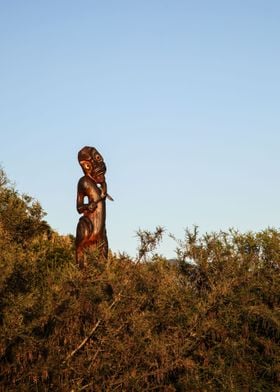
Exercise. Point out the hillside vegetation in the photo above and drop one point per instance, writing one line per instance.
(208, 321)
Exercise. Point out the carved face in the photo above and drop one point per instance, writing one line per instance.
(92, 164)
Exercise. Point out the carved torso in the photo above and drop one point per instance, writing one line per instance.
(88, 188)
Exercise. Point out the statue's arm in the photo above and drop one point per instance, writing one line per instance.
(82, 192)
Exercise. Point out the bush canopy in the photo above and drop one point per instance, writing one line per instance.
(205, 321)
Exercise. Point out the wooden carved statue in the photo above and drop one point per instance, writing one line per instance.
(91, 202)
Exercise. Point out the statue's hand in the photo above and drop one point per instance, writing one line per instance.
(92, 206)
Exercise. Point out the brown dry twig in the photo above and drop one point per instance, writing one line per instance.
(92, 331)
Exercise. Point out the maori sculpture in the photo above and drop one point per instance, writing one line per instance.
(91, 202)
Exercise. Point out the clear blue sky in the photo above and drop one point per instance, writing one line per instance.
(182, 99)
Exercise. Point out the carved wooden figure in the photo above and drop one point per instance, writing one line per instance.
(91, 202)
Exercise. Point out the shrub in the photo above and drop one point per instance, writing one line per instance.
(207, 322)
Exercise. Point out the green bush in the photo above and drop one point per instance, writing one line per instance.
(208, 321)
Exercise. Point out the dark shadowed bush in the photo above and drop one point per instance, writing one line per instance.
(207, 322)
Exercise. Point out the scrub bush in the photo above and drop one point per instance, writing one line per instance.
(208, 321)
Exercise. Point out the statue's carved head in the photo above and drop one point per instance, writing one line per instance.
(92, 164)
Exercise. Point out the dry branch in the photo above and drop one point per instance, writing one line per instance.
(92, 331)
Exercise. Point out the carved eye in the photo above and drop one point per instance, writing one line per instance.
(98, 157)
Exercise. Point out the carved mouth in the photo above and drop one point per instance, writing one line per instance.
(99, 174)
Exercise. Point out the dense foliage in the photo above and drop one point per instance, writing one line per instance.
(208, 321)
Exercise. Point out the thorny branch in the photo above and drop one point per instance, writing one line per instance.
(92, 331)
